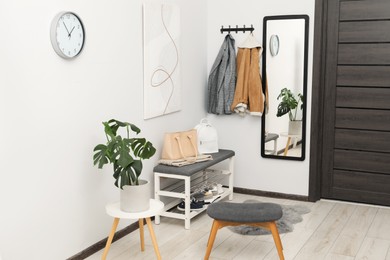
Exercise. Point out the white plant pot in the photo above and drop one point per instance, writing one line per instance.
(135, 198)
(295, 127)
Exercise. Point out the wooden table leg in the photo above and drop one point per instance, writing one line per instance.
(110, 237)
(141, 233)
(287, 146)
(152, 235)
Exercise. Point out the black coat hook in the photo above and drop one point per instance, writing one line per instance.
(237, 29)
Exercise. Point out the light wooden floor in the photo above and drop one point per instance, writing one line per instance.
(332, 230)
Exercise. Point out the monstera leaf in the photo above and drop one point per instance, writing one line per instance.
(288, 104)
(126, 154)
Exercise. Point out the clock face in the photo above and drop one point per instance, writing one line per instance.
(274, 45)
(67, 35)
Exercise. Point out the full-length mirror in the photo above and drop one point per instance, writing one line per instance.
(285, 40)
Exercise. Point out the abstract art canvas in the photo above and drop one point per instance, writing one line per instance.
(161, 59)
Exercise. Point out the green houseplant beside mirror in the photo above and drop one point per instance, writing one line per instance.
(126, 155)
(290, 104)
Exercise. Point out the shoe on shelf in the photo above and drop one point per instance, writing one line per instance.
(208, 195)
(212, 200)
(202, 195)
(195, 205)
(198, 195)
(215, 188)
(219, 188)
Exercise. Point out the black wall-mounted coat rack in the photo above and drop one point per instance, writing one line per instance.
(237, 29)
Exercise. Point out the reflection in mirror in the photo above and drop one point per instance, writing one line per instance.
(285, 40)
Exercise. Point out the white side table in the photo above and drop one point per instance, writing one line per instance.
(289, 137)
(114, 211)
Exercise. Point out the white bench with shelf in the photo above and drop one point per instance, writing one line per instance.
(188, 179)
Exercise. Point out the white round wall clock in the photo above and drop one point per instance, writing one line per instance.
(67, 35)
(274, 45)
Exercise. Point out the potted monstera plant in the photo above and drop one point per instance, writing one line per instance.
(289, 104)
(126, 155)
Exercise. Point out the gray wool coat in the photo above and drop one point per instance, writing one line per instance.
(222, 79)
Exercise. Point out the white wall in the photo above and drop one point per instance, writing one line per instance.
(243, 134)
(52, 198)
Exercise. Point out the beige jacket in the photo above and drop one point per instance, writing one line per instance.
(249, 96)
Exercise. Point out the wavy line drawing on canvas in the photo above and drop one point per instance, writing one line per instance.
(163, 70)
(161, 59)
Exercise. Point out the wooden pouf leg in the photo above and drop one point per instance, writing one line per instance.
(212, 227)
(141, 233)
(110, 237)
(154, 240)
(213, 234)
(278, 242)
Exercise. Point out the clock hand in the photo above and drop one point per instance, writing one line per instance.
(66, 28)
(70, 34)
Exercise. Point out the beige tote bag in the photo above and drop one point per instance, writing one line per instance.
(180, 145)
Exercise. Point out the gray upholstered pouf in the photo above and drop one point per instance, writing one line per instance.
(245, 212)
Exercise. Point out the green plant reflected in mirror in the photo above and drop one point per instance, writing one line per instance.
(289, 104)
(283, 125)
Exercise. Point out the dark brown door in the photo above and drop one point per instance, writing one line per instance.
(356, 127)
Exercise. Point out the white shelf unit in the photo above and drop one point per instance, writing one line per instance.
(185, 184)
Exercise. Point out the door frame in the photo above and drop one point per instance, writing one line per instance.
(317, 108)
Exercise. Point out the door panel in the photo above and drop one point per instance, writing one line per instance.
(364, 54)
(362, 196)
(353, 180)
(370, 31)
(356, 122)
(370, 97)
(362, 161)
(370, 141)
(376, 76)
(364, 10)
(365, 119)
